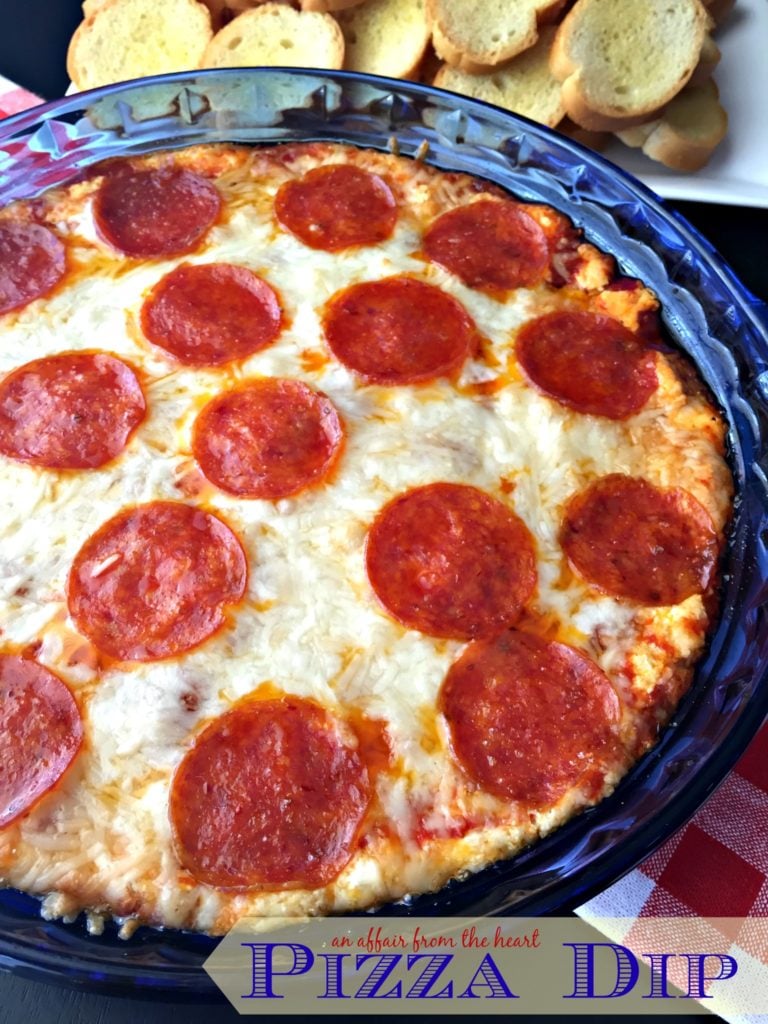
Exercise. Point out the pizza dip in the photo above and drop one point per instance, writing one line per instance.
(359, 528)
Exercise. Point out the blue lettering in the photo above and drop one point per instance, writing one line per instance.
(385, 964)
(334, 979)
(422, 987)
(262, 962)
(659, 963)
(492, 979)
(627, 970)
(697, 978)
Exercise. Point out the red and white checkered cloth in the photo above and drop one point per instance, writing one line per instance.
(13, 99)
(714, 867)
(717, 866)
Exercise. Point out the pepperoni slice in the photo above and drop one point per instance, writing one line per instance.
(32, 261)
(493, 245)
(268, 439)
(398, 331)
(451, 561)
(75, 410)
(530, 718)
(270, 794)
(588, 362)
(337, 206)
(163, 211)
(155, 581)
(40, 734)
(633, 540)
(211, 313)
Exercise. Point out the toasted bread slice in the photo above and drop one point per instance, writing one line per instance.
(91, 6)
(385, 37)
(709, 58)
(595, 140)
(622, 61)
(637, 135)
(477, 35)
(223, 11)
(132, 38)
(686, 134)
(524, 85)
(275, 35)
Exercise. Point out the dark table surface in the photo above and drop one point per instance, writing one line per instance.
(33, 40)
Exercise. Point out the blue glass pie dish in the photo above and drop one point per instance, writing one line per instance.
(706, 311)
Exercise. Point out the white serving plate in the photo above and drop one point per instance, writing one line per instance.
(738, 172)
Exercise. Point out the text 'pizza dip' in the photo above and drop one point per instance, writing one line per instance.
(358, 528)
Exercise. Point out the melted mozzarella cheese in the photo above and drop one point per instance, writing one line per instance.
(310, 624)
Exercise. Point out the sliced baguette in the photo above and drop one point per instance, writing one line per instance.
(524, 85)
(478, 35)
(686, 134)
(132, 38)
(223, 11)
(637, 135)
(385, 37)
(594, 140)
(709, 58)
(91, 6)
(275, 35)
(622, 61)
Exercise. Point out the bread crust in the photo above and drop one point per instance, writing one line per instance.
(74, 43)
(449, 53)
(522, 85)
(80, 64)
(613, 116)
(91, 6)
(709, 58)
(685, 146)
(392, 34)
(594, 140)
(219, 46)
(594, 121)
(223, 11)
(635, 137)
(457, 55)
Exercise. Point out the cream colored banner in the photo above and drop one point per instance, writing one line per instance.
(496, 966)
